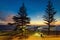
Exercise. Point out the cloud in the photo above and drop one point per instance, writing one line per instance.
(3, 22)
(9, 19)
(6, 18)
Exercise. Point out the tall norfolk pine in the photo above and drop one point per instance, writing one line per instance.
(49, 17)
(22, 18)
(20, 21)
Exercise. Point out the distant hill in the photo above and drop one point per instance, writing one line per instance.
(6, 27)
(56, 28)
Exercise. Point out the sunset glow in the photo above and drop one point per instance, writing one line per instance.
(31, 23)
(29, 19)
(35, 10)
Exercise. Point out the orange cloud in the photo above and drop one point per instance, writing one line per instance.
(42, 23)
(57, 23)
(37, 23)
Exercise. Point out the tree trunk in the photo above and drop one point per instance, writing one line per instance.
(48, 28)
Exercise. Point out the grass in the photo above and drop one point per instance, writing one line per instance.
(30, 36)
(15, 34)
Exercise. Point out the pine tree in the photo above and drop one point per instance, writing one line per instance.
(20, 21)
(22, 18)
(49, 17)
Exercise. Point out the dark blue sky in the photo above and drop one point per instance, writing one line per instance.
(35, 8)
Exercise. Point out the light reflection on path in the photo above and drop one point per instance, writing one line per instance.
(36, 36)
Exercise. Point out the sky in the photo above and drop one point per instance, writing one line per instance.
(35, 9)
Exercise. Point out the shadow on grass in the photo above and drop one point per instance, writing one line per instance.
(14, 34)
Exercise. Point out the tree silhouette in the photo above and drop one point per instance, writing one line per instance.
(21, 19)
(49, 17)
